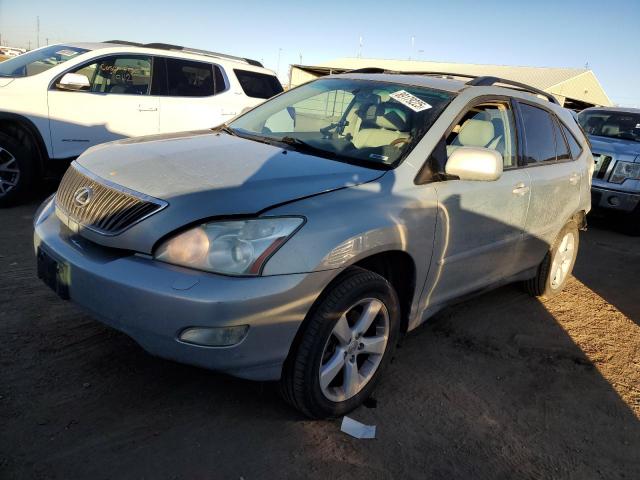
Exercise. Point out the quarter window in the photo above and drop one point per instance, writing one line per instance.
(488, 125)
(562, 149)
(258, 85)
(539, 133)
(128, 75)
(574, 146)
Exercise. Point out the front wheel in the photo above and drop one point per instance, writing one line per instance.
(347, 341)
(557, 265)
(16, 171)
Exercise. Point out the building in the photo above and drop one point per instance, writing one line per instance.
(575, 88)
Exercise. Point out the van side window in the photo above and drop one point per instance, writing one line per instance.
(488, 125)
(128, 75)
(539, 134)
(258, 85)
(189, 79)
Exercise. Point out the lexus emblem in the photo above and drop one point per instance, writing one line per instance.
(82, 196)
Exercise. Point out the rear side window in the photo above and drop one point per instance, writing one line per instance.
(574, 146)
(189, 79)
(562, 149)
(539, 133)
(258, 85)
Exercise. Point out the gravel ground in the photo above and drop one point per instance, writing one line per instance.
(501, 386)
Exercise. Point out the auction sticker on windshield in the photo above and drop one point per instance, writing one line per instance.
(411, 101)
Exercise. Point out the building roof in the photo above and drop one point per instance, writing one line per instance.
(573, 84)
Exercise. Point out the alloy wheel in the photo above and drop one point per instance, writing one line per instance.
(354, 349)
(9, 172)
(562, 260)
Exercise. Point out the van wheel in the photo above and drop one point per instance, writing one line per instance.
(16, 171)
(557, 265)
(347, 341)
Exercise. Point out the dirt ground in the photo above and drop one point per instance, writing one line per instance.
(501, 386)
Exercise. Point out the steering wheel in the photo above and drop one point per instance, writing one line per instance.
(398, 141)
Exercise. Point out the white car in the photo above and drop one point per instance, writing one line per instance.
(57, 101)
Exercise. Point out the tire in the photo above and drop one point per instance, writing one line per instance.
(16, 171)
(548, 281)
(319, 346)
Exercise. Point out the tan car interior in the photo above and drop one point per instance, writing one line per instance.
(486, 126)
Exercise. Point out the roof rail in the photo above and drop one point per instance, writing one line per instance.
(409, 72)
(168, 46)
(488, 81)
(476, 81)
(124, 42)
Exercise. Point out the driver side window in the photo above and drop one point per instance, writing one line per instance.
(125, 75)
(487, 125)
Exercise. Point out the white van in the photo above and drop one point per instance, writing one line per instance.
(57, 101)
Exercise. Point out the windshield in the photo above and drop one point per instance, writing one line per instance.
(361, 121)
(603, 123)
(38, 61)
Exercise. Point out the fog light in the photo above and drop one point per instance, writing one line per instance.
(613, 201)
(214, 336)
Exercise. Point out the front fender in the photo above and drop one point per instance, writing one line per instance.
(348, 225)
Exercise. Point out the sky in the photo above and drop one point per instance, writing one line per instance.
(561, 33)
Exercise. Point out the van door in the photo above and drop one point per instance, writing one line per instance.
(480, 223)
(193, 95)
(555, 181)
(115, 105)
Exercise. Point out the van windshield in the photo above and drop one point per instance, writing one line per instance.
(38, 61)
(361, 121)
(612, 124)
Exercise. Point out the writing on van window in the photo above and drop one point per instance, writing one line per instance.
(411, 101)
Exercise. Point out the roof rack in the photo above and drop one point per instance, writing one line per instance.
(488, 81)
(476, 81)
(168, 46)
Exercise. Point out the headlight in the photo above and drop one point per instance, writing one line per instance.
(237, 247)
(625, 171)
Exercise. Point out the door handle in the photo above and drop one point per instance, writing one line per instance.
(574, 178)
(147, 108)
(520, 189)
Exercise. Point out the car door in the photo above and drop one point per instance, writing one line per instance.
(116, 104)
(193, 95)
(480, 223)
(555, 180)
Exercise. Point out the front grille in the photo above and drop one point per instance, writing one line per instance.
(101, 206)
(602, 163)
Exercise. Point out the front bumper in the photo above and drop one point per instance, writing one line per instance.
(604, 198)
(153, 302)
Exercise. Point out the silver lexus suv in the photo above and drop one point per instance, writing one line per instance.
(299, 241)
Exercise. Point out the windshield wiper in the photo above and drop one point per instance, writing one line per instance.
(226, 129)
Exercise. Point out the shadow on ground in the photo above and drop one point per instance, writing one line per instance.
(496, 387)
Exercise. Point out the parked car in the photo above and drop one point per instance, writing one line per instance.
(614, 134)
(298, 242)
(57, 101)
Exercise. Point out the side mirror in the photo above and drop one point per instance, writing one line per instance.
(74, 82)
(475, 163)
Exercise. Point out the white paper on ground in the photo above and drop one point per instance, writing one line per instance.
(356, 429)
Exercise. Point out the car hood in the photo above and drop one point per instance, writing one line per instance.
(617, 147)
(4, 81)
(209, 174)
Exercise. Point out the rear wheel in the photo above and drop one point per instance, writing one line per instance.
(557, 265)
(347, 341)
(16, 171)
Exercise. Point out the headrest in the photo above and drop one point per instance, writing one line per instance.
(476, 133)
(610, 129)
